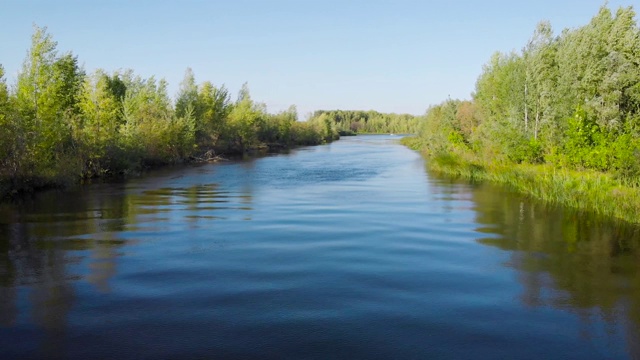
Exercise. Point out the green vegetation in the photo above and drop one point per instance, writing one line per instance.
(349, 122)
(59, 125)
(559, 120)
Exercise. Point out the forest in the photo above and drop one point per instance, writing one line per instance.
(558, 120)
(351, 122)
(59, 125)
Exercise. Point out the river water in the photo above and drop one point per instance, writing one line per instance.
(350, 250)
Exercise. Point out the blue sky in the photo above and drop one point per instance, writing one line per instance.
(387, 55)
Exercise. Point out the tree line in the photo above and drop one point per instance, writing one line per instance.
(569, 101)
(59, 125)
(351, 122)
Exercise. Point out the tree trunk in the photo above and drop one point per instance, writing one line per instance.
(526, 110)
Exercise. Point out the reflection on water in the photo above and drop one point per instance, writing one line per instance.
(567, 260)
(344, 251)
(58, 238)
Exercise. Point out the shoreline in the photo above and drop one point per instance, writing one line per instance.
(15, 190)
(590, 191)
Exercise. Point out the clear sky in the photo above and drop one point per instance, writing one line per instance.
(387, 55)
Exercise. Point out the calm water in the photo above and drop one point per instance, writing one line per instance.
(345, 251)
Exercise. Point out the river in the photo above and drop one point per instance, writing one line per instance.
(350, 250)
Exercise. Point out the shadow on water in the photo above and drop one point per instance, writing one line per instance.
(40, 245)
(56, 240)
(572, 261)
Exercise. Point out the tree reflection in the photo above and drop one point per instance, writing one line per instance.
(572, 261)
(49, 243)
(41, 240)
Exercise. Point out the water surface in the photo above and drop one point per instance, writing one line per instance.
(344, 251)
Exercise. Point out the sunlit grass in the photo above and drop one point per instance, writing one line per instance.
(583, 190)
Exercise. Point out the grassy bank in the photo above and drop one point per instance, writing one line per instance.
(557, 120)
(60, 126)
(583, 190)
(73, 169)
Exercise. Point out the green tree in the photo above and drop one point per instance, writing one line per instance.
(68, 80)
(541, 79)
(10, 136)
(212, 108)
(58, 124)
(4, 92)
(500, 93)
(34, 98)
(98, 128)
(353, 121)
(244, 121)
(46, 96)
(187, 99)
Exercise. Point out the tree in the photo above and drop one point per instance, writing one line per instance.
(187, 98)
(244, 94)
(211, 111)
(500, 94)
(9, 133)
(570, 100)
(67, 83)
(581, 66)
(468, 118)
(34, 81)
(46, 96)
(621, 83)
(4, 93)
(98, 128)
(244, 121)
(541, 77)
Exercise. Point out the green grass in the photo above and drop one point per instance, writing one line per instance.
(590, 191)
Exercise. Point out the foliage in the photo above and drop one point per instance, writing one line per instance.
(569, 102)
(371, 122)
(60, 125)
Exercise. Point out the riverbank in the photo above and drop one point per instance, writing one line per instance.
(60, 126)
(547, 124)
(16, 187)
(591, 191)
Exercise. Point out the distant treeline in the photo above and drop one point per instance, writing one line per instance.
(349, 122)
(565, 103)
(59, 124)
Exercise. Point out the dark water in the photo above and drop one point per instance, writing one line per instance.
(344, 251)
